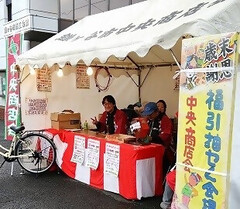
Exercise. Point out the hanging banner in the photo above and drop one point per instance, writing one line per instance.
(82, 79)
(44, 79)
(12, 110)
(204, 136)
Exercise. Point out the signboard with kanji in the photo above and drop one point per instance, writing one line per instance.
(205, 121)
(12, 112)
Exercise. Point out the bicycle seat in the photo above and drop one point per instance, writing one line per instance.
(17, 129)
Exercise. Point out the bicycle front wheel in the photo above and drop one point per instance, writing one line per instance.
(36, 153)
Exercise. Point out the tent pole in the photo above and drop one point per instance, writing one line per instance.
(73, 20)
(139, 86)
(139, 77)
(133, 61)
(131, 78)
(59, 15)
(108, 5)
(89, 7)
(175, 59)
(179, 66)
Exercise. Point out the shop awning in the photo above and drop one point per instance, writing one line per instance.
(134, 30)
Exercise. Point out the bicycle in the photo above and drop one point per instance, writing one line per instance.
(35, 152)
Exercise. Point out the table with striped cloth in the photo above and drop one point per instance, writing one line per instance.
(140, 167)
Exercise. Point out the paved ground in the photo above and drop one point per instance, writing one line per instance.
(54, 190)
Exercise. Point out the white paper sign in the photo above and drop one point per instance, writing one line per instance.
(111, 164)
(78, 150)
(93, 149)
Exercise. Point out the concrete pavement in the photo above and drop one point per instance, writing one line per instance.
(54, 190)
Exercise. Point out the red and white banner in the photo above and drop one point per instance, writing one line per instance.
(12, 112)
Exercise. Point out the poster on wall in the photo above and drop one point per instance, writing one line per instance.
(82, 79)
(12, 111)
(44, 79)
(204, 136)
(36, 106)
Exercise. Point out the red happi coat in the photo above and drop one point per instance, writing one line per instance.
(120, 122)
(166, 129)
(161, 130)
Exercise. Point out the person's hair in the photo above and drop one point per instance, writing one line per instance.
(110, 99)
(130, 107)
(164, 104)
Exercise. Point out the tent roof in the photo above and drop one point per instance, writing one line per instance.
(133, 31)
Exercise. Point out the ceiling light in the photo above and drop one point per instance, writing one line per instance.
(32, 71)
(89, 71)
(60, 72)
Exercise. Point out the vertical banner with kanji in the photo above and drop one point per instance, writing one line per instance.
(205, 121)
(12, 111)
(82, 79)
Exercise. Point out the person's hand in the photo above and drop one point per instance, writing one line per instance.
(94, 120)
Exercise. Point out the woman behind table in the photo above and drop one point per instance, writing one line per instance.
(113, 120)
(166, 125)
(167, 132)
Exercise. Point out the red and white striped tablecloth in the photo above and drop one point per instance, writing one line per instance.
(140, 167)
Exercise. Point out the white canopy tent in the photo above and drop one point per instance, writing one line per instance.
(135, 28)
(142, 36)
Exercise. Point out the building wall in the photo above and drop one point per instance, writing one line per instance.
(2, 40)
(19, 9)
(41, 8)
(84, 8)
(2, 53)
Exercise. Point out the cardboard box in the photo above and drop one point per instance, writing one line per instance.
(65, 120)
